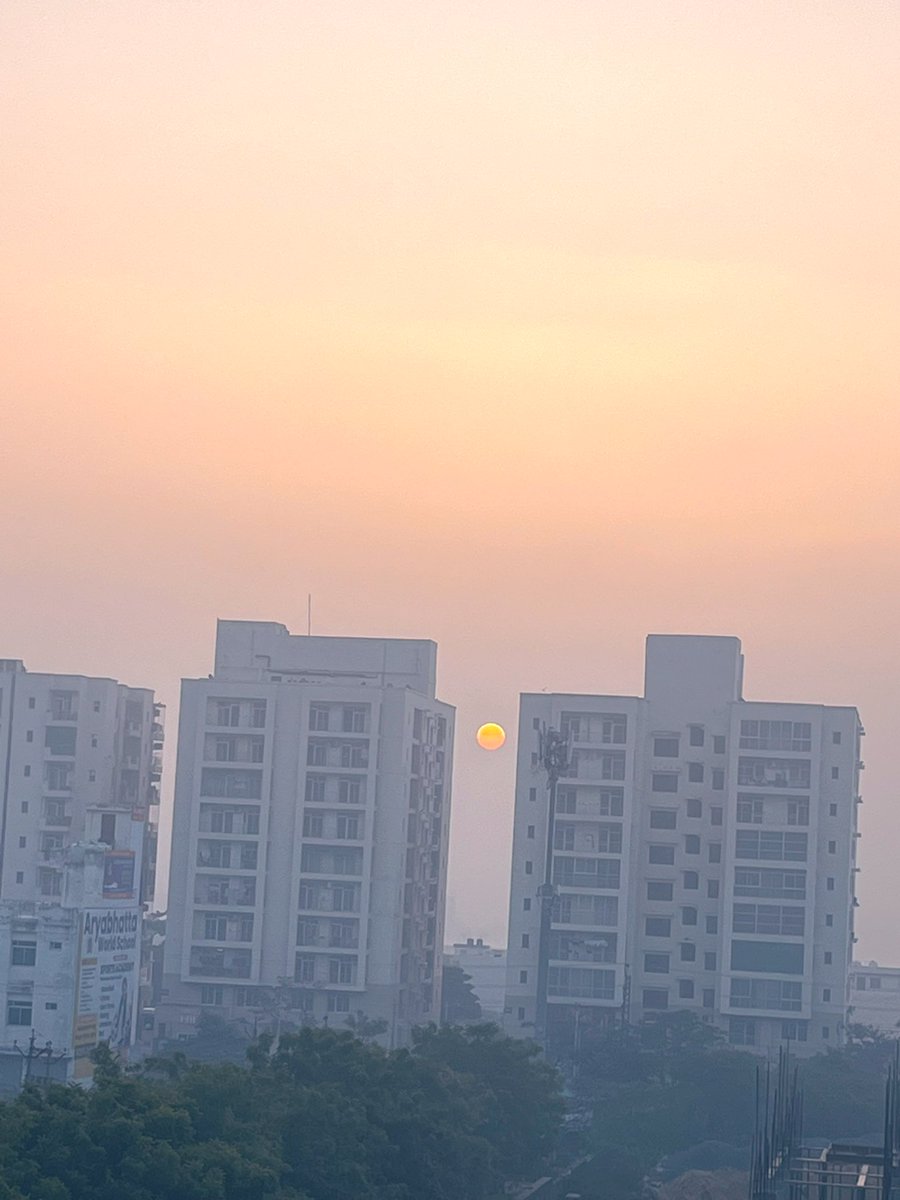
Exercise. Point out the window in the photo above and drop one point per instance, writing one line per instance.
(24, 806)
(836, 738)
(798, 811)
(741, 1031)
(23, 842)
(832, 810)
(685, 989)
(20, 876)
(658, 926)
(215, 929)
(715, 816)
(712, 889)
(832, 847)
(662, 855)
(587, 872)
(313, 825)
(656, 964)
(773, 958)
(108, 828)
(691, 881)
(213, 994)
(354, 718)
(31, 701)
(829, 884)
(521, 1014)
(523, 977)
(769, 883)
(659, 891)
(258, 714)
(350, 791)
(318, 717)
(586, 982)
(794, 1031)
(709, 960)
(304, 968)
(694, 808)
(341, 970)
(715, 852)
(339, 1002)
(719, 744)
(749, 811)
(663, 818)
(689, 915)
(29, 736)
(829, 920)
(827, 958)
(692, 843)
(529, 868)
(18, 1012)
(531, 835)
(709, 997)
(655, 998)
(665, 747)
(687, 952)
(532, 795)
(526, 904)
(718, 779)
(664, 781)
(695, 772)
(835, 772)
(776, 735)
(770, 844)
(354, 756)
(349, 828)
(27, 772)
(875, 983)
(826, 1032)
(696, 735)
(712, 924)
(307, 932)
(94, 742)
(24, 953)
(60, 739)
(780, 919)
(51, 1005)
(774, 772)
(777, 995)
(566, 800)
(826, 995)
(579, 909)
(525, 941)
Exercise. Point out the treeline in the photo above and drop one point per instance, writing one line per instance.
(321, 1116)
(663, 1088)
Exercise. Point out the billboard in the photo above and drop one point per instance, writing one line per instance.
(118, 875)
(108, 975)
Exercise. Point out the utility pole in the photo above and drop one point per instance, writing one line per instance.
(554, 759)
(34, 1053)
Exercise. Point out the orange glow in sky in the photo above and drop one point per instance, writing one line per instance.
(581, 314)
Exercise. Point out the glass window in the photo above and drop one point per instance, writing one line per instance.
(696, 733)
(655, 998)
(695, 808)
(692, 844)
(661, 855)
(657, 890)
(688, 952)
(664, 781)
(695, 772)
(665, 747)
(691, 881)
(656, 964)
(658, 926)
(663, 818)
(689, 915)
(685, 989)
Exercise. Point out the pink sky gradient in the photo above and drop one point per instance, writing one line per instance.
(529, 327)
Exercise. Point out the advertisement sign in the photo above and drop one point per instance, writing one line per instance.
(108, 976)
(118, 875)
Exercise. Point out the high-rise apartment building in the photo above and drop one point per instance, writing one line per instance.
(79, 774)
(703, 857)
(309, 850)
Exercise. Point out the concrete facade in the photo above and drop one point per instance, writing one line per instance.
(875, 997)
(310, 836)
(704, 856)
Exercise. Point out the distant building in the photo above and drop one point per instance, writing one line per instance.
(486, 968)
(309, 851)
(79, 776)
(71, 972)
(875, 997)
(703, 856)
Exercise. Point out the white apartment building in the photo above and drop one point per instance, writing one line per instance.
(486, 968)
(309, 846)
(875, 997)
(70, 746)
(79, 772)
(704, 857)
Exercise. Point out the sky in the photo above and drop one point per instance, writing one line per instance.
(530, 327)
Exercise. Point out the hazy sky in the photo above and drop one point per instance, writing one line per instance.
(530, 327)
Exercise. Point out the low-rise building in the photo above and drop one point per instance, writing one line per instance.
(875, 997)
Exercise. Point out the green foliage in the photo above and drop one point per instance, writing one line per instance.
(521, 1102)
(319, 1115)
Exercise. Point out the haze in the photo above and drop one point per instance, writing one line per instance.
(527, 327)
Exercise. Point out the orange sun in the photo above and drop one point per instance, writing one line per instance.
(491, 736)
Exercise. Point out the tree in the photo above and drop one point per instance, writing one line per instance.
(459, 1004)
(521, 1099)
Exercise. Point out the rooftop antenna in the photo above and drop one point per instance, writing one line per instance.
(309, 614)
